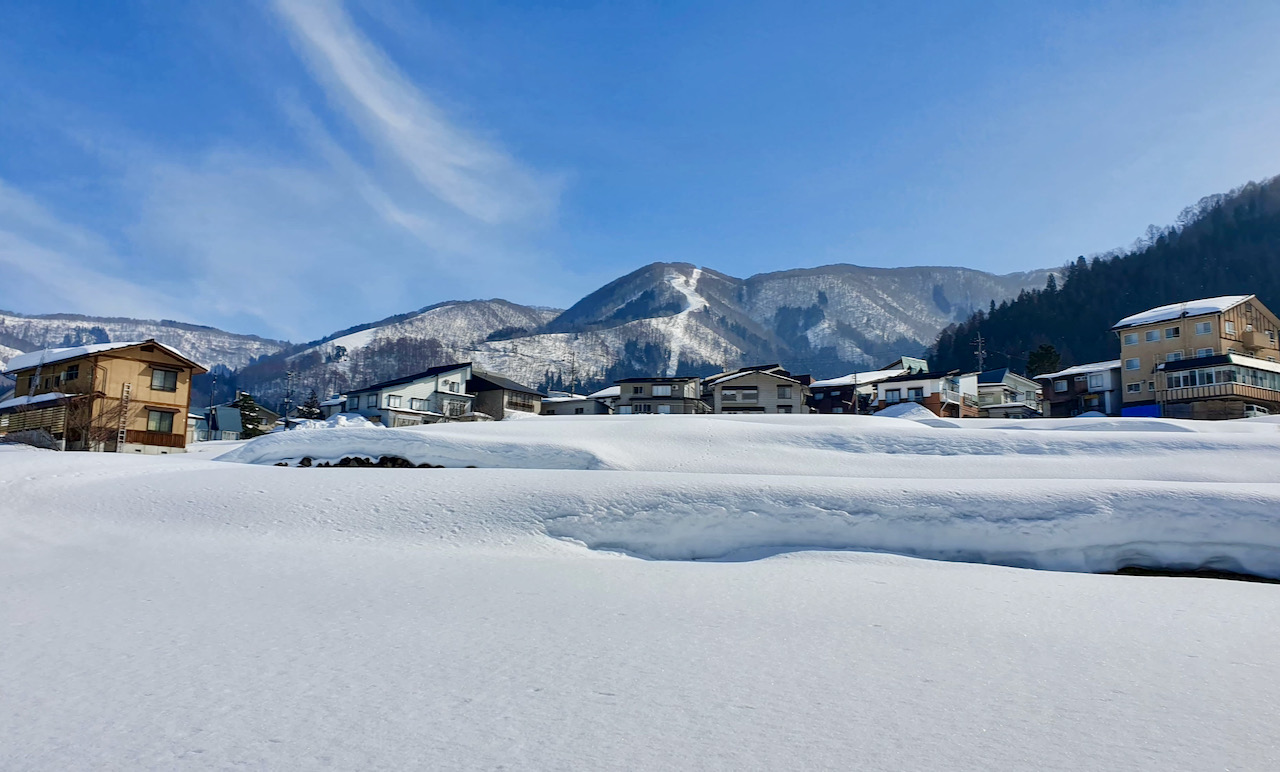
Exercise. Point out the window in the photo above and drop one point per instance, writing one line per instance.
(624, 409)
(1180, 380)
(637, 390)
(577, 411)
(1133, 364)
(817, 395)
(1133, 388)
(371, 401)
(749, 395)
(393, 400)
(1095, 381)
(1172, 332)
(1151, 385)
(1130, 338)
(454, 407)
(664, 408)
(73, 373)
(1204, 328)
(893, 395)
(662, 390)
(784, 392)
(1173, 356)
(729, 395)
(164, 380)
(159, 421)
(1229, 327)
(353, 403)
(1152, 335)
(417, 404)
(784, 408)
(1060, 385)
(521, 402)
(837, 410)
(31, 383)
(1082, 378)
(1204, 352)
(915, 394)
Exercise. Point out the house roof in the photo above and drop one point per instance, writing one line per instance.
(225, 418)
(1185, 308)
(16, 402)
(677, 379)
(50, 356)
(993, 376)
(861, 379)
(1092, 367)
(921, 376)
(502, 382)
(428, 373)
(607, 393)
(779, 376)
(335, 400)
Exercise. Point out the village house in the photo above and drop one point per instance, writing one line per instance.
(1212, 358)
(113, 397)
(1003, 393)
(946, 394)
(220, 422)
(852, 394)
(496, 395)
(759, 389)
(1088, 388)
(661, 395)
(435, 394)
(335, 404)
(568, 403)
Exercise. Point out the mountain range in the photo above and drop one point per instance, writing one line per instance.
(665, 318)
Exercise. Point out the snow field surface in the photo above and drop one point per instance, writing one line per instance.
(184, 612)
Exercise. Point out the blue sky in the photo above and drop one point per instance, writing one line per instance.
(290, 168)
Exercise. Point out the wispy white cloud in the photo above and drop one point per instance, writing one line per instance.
(471, 174)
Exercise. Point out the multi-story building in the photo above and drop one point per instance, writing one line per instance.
(1005, 394)
(433, 395)
(1090, 388)
(1209, 358)
(113, 397)
(568, 403)
(759, 389)
(497, 395)
(660, 395)
(947, 394)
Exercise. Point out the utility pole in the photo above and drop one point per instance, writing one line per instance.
(573, 370)
(979, 347)
(288, 396)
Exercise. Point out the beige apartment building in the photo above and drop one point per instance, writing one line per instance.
(114, 397)
(1209, 358)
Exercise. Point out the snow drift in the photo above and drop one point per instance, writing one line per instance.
(1080, 495)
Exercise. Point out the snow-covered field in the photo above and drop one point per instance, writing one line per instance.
(195, 612)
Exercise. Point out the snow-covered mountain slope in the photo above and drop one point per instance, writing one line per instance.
(668, 318)
(206, 345)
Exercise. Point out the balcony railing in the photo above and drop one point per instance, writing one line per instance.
(1211, 391)
(958, 398)
(162, 439)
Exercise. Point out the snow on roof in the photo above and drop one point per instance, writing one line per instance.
(611, 391)
(51, 355)
(37, 399)
(1092, 367)
(862, 379)
(1186, 308)
(753, 372)
(567, 398)
(334, 401)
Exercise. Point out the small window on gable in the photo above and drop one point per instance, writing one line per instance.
(1229, 327)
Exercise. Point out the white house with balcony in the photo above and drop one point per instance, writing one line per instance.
(437, 394)
(947, 394)
(1003, 393)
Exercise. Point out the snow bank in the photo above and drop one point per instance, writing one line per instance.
(909, 410)
(1084, 495)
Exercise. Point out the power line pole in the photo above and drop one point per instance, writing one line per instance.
(979, 347)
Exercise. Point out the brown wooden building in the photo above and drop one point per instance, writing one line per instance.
(113, 397)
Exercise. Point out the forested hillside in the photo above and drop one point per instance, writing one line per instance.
(1226, 244)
